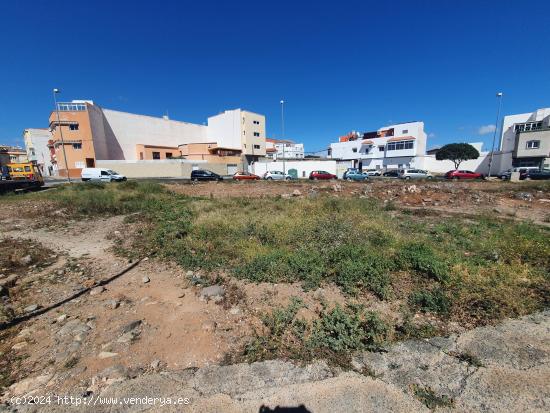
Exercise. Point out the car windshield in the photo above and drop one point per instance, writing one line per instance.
(111, 172)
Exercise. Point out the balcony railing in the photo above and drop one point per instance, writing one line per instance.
(71, 107)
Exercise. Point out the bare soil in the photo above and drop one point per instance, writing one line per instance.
(136, 326)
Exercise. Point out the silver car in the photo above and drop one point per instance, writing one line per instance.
(277, 176)
(414, 174)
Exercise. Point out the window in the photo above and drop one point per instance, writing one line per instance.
(168, 154)
(256, 122)
(77, 146)
(354, 150)
(256, 146)
(397, 146)
(381, 148)
(104, 173)
(71, 107)
(405, 131)
(256, 133)
(526, 127)
(533, 144)
(73, 126)
(156, 155)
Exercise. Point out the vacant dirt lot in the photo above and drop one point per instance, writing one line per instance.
(206, 288)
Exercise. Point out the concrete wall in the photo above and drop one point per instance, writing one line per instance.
(303, 168)
(131, 129)
(543, 136)
(501, 162)
(160, 169)
(225, 129)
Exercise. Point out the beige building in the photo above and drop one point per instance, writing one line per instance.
(91, 134)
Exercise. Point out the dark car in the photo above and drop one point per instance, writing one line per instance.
(463, 174)
(205, 175)
(536, 175)
(315, 175)
(391, 174)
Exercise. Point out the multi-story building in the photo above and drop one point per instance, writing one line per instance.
(525, 138)
(390, 147)
(93, 133)
(38, 152)
(284, 149)
(12, 154)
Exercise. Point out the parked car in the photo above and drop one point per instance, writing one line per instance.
(354, 174)
(315, 175)
(205, 175)
(391, 174)
(373, 172)
(538, 175)
(463, 174)
(414, 174)
(522, 170)
(101, 174)
(277, 176)
(245, 176)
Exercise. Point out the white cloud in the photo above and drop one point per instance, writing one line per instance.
(487, 129)
(431, 135)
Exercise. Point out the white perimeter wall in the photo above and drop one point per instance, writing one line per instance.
(501, 162)
(303, 167)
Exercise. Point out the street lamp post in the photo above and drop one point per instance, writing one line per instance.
(283, 133)
(56, 91)
(499, 97)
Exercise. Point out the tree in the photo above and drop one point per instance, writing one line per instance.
(457, 152)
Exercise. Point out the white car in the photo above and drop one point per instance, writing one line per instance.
(277, 176)
(372, 172)
(101, 174)
(414, 174)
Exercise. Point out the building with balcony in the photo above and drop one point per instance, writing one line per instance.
(284, 149)
(391, 147)
(525, 138)
(38, 152)
(12, 154)
(92, 133)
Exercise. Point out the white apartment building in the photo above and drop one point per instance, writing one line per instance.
(525, 139)
(36, 144)
(284, 149)
(391, 147)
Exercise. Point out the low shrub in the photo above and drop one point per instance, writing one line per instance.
(436, 301)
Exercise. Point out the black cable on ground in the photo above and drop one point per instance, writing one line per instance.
(40, 311)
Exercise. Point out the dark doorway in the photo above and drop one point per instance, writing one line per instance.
(90, 163)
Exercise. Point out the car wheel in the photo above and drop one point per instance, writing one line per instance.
(315, 178)
(429, 177)
(408, 178)
(288, 178)
(527, 178)
(455, 178)
(269, 178)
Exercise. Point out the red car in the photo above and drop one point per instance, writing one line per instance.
(245, 176)
(456, 174)
(315, 175)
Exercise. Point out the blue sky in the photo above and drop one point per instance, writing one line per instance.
(340, 66)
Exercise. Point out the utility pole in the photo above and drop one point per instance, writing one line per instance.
(283, 133)
(499, 97)
(56, 91)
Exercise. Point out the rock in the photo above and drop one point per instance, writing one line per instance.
(106, 355)
(19, 346)
(286, 196)
(26, 260)
(181, 295)
(73, 327)
(131, 326)
(116, 233)
(209, 326)
(29, 384)
(115, 372)
(189, 273)
(235, 310)
(60, 272)
(426, 199)
(128, 337)
(313, 193)
(30, 308)
(79, 337)
(337, 188)
(546, 201)
(112, 304)
(97, 290)
(296, 192)
(145, 279)
(213, 291)
(3, 290)
(155, 364)
(524, 196)
(61, 318)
